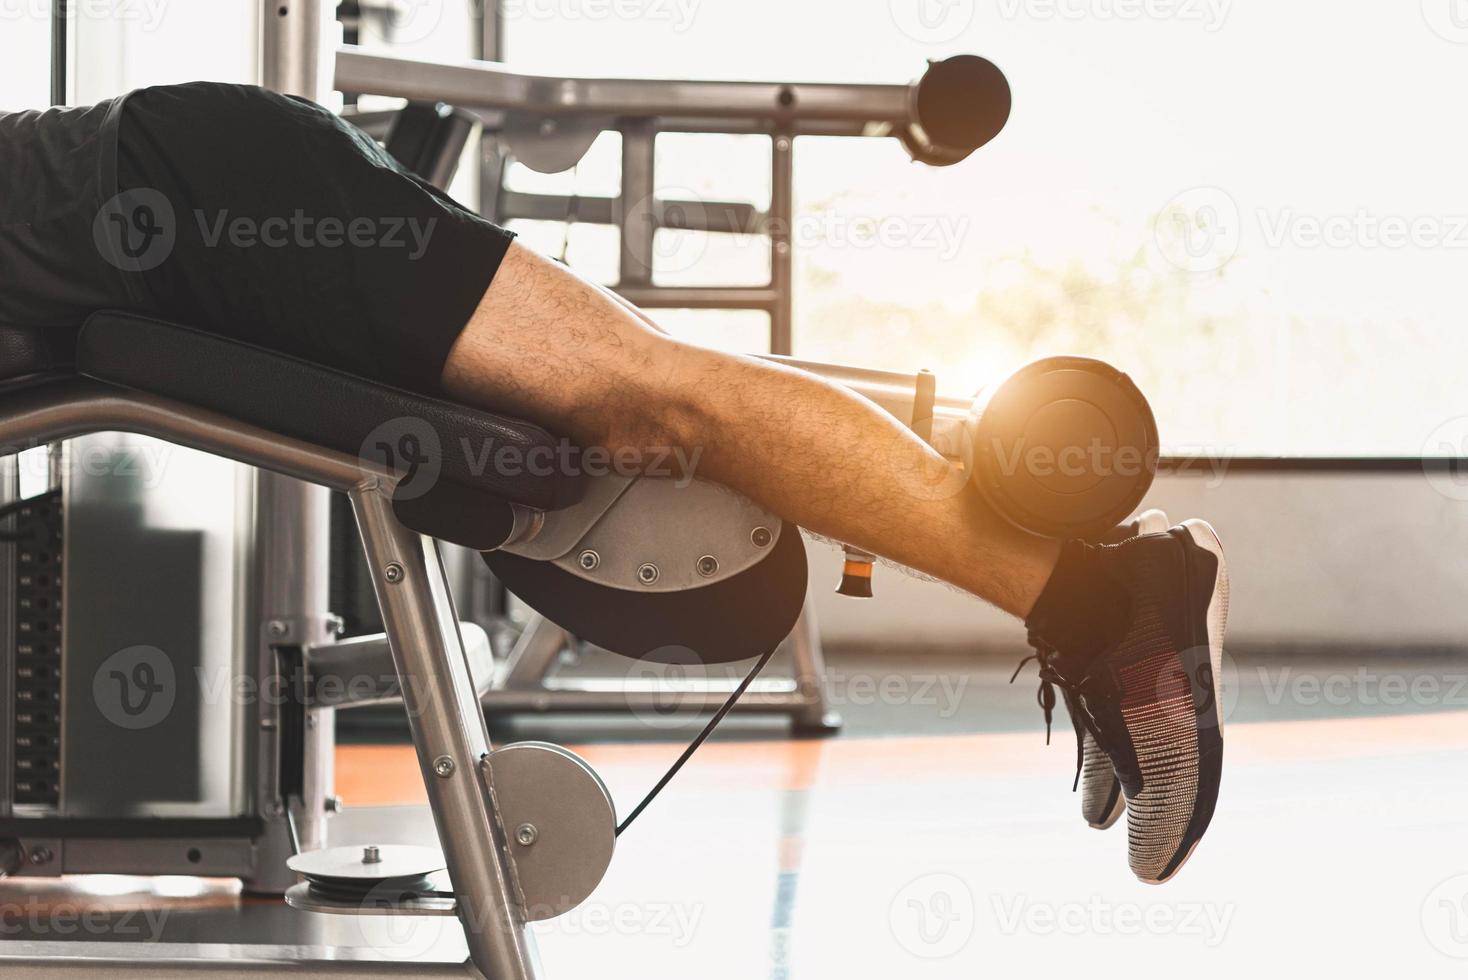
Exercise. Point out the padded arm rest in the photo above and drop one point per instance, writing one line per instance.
(321, 405)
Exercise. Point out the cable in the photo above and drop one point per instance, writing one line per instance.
(703, 735)
(290, 825)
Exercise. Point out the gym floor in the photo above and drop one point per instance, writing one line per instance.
(937, 837)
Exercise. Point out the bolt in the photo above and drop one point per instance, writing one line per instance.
(371, 855)
(443, 766)
(333, 804)
(708, 566)
(393, 573)
(526, 834)
(647, 573)
(268, 724)
(278, 628)
(589, 559)
(761, 537)
(41, 855)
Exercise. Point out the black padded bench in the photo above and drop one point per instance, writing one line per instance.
(470, 502)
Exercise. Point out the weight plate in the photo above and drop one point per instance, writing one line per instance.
(395, 861)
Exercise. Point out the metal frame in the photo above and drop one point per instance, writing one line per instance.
(291, 535)
(525, 681)
(428, 652)
(641, 109)
(66, 960)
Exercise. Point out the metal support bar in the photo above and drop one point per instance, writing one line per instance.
(86, 960)
(291, 48)
(533, 656)
(63, 409)
(727, 217)
(897, 394)
(449, 734)
(60, 52)
(289, 607)
(700, 297)
(639, 192)
(487, 85)
(782, 249)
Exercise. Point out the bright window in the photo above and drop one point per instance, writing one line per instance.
(25, 55)
(1256, 208)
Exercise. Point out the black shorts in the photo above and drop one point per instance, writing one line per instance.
(270, 220)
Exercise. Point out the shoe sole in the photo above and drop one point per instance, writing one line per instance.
(1117, 809)
(1205, 537)
(1152, 521)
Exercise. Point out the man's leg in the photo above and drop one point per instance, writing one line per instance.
(553, 348)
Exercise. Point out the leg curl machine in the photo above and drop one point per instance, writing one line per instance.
(1067, 447)
(527, 830)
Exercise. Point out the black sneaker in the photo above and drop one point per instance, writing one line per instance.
(1102, 802)
(1150, 701)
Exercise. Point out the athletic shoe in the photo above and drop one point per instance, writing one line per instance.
(1150, 700)
(1102, 802)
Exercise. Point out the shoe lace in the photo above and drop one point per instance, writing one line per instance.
(1050, 679)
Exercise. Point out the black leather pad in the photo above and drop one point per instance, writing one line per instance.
(327, 407)
(25, 352)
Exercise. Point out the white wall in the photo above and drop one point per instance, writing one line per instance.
(25, 49)
(163, 41)
(1316, 558)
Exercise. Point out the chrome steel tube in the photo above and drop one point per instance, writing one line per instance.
(487, 85)
(449, 734)
(896, 394)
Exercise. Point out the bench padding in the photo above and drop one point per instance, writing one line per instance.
(25, 352)
(316, 404)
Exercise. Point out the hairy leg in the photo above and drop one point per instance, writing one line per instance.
(550, 347)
